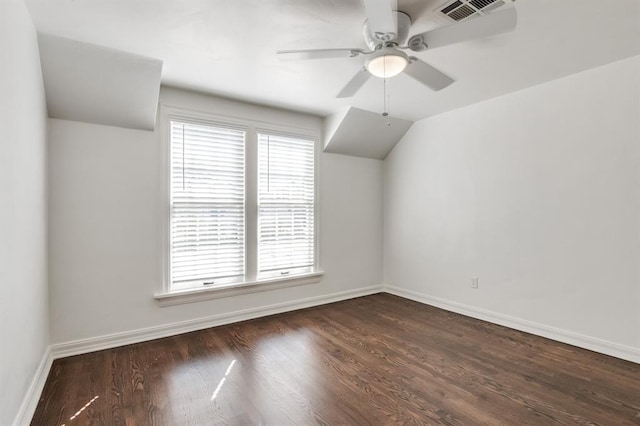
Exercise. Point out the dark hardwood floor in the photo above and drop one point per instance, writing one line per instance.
(375, 360)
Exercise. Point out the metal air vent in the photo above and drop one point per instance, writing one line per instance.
(462, 9)
(481, 4)
(462, 12)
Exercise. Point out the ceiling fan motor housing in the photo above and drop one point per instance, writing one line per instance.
(375, 40)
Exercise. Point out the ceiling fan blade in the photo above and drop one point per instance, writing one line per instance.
(476, 27)
(319, 53)
(382, 21)
(355, 84)
(427, 75)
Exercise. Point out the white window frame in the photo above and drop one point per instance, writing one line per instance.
(251, 283)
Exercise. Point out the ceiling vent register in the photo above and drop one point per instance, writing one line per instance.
(462, 9)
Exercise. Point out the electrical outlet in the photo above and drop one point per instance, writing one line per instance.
(474, 282)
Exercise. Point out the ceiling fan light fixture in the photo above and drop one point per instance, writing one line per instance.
(387, 62)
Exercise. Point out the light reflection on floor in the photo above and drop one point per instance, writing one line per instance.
(82, 409)
(290, 363)
(279, 366)
(215, 393)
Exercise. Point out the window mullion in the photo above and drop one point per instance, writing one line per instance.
(251, 205)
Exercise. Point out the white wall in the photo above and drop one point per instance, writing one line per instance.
(537, 194)
(24, 333)
(105, 262)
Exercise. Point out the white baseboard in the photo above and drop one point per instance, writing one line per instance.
(82, 346)
(591, 343)
(30, 400)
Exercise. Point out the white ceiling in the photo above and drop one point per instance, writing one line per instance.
(227, 47)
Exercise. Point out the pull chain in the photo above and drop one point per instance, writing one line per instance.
(385, 105)
(384, 98)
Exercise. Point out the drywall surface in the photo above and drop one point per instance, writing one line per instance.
(363, 133)
(24, 330)
(96, 84)
(105, 225)
(536, 193)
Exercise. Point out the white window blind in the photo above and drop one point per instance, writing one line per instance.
(286, 205)
(207, 205)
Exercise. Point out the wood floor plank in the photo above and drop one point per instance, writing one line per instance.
(377, 360)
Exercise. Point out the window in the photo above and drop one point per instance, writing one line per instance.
(241, 207)
(207, 205)
(286, 201)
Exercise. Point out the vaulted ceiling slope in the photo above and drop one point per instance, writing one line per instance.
(228, 47)
(362, 133)
(94, 84)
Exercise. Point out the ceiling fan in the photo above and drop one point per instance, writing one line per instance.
(386, 30)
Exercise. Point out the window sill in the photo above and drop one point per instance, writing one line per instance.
(196, 295)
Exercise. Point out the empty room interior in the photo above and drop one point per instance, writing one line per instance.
(355, 212)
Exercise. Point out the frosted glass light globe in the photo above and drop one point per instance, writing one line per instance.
(387, 62)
